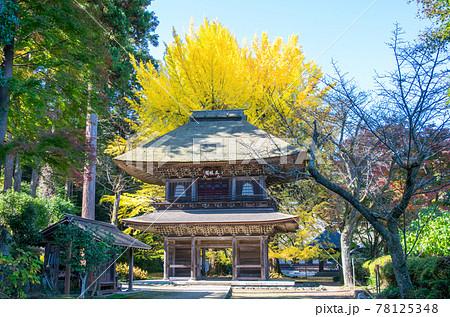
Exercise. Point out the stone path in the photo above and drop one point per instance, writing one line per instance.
(321, 292)
(178, 292)
(221, 292)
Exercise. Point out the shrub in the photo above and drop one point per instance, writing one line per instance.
(430, 276)
(23, 216)
(122, 270)
(361, 271)
(434, 240)
(17, 273)
(369, 267)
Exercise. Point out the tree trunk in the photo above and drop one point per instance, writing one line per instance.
(6, 69)
(17, 176)
(346, 241)
(351, 221)
(274, 266)
(390, 234)
(88, 204)
(34, 182)
(83, 285)
(399, 261)
(47, 184)
(117, 194)
(69, 190)
(9, 172)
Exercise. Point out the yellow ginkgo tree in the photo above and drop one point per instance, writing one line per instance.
(209, 70)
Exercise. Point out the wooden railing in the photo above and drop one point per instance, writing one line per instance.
(216, 202)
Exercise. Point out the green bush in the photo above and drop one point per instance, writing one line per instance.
(434, 240)
(430, 276)
(361, 271)
(369, 267)
(23, 216)
(17, 273)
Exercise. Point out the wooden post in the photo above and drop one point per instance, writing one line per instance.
(235, 259)
(261, 259)
(130, 269)
(197, 261)
(193, 276)
(68, 272)
(266, 258)
(172, 252)
(166, 259)
(57, 267)
(203, 262)
(233, 188)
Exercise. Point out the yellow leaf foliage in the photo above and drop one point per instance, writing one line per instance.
(209, 70)
(134, 204)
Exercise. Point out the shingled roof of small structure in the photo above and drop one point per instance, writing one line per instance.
(209, 136)
(100, 228)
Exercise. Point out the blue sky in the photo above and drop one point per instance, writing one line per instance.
(327, 29)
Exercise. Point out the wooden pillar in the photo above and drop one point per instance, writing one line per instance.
(130, 269)
(193, 191)
(197, 261)
(193, 260)
(235, 259)
(57, 267)
(266, 258)
(233, 188)
(68, 272)
(172, 251)
(203, 262)
(166, 259)
(261, 259)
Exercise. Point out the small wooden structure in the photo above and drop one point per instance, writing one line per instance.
(215, 169)
(58, 274)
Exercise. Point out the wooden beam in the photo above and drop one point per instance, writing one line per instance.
(179, 266)
(130, 269)
(249, 266)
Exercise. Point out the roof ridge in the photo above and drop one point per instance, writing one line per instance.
(93, 221)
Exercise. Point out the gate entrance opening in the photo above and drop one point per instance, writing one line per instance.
(186, 257)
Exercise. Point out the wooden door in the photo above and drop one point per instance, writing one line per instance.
(213, 189)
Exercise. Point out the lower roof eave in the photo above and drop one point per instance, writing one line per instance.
(217, 229)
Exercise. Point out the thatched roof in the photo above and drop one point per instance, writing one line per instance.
(210, 136)
(212, 216)
(214, 222)
(102, 229)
